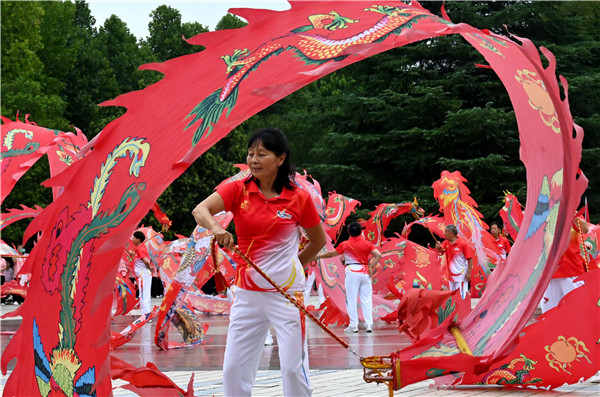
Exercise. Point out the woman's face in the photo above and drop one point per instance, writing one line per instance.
(263, 163)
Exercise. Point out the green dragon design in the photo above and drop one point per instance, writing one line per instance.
(9, 141)
(72, 243)
(312, 49)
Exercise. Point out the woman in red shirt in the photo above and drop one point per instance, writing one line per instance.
(268, 212)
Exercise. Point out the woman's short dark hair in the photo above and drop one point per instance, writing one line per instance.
(139, 235)
(274, 140)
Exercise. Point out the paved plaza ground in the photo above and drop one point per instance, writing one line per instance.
(334, 370)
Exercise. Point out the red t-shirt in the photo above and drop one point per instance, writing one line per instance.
(141, 252)
(503, 245)
(268, 232)
(571, 263)
(356, 252)
(457, 255)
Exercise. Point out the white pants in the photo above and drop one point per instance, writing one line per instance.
(252, 313)
(462, 286)
(144, 278)
(359, 285)
(556, 290)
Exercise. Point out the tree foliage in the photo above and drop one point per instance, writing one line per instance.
(230, 21)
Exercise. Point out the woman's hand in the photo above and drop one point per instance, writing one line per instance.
(203, 215)
(223, 237)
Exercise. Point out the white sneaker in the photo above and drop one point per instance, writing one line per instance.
(369, 327)
(351, 330)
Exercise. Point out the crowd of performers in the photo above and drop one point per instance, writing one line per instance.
(275, 211)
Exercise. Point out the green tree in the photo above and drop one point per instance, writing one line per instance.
(30, 85)
(92, 80)
(123, 55)
(25, 86)
(122, 52)
(56, 56)
(166, 33)
(230, 21)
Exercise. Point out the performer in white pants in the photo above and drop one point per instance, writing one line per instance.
(268, 212)
(143, 272)
(356, 251)
(459, 259)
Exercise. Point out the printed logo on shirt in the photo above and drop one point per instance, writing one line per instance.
(284, 215)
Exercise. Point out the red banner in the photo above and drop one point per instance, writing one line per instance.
(24, 143)
(560, 347)
(337, 210)
(381, 218)
(512, 215)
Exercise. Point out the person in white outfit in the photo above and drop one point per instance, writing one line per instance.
(459, 260)
(268, 210)
(359, 267)
(143, 271)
